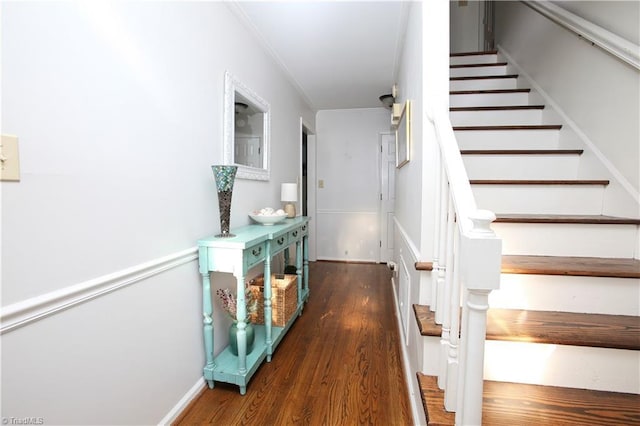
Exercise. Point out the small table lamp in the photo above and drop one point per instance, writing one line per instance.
(289, 195)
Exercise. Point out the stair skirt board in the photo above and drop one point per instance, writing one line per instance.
(540, 199)
(515, 166)
(484, 84)
(514, 139)
(496, 118)
(563, 293)
(582, 367)
(578, 239)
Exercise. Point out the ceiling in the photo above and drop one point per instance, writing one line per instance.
(339, 54)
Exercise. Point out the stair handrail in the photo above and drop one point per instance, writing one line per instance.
(617, 46)
(466, 270)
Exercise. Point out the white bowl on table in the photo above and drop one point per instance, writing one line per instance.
(268, 219)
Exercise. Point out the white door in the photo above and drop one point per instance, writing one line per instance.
(387, 194)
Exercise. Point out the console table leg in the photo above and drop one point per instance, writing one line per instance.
(268, 310)
(207, 329)
(305, 258)
(241, 316)
(299, 269)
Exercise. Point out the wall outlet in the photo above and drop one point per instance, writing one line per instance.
(320, 183)
(9, 159)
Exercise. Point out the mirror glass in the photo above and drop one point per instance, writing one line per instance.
(246, 130)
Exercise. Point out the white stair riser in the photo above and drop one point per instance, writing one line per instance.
(474, 59)
(567, 239)
(496, 118)
(521, 166)
(476, 71)
(540, 199)
(483, 84)
(507, 139)
(563, 293)
(431, 350)
(489, 99)
(615, 370)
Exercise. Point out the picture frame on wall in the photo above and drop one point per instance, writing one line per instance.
(403, 136)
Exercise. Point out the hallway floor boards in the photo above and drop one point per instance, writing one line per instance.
(339, 364)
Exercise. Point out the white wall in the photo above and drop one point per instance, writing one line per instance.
(118, 107)
(466, 26)
(619, 17)
(347, 153)
(595, 90)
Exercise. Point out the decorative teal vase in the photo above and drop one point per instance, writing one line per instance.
(225, 176)
(233, 338)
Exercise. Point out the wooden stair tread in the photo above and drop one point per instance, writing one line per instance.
(433, 401)
(556, 328)
(565, 218)
(521, 151)
(491, 64)
(511, 127)
(497, 108)
(573, 266)
(426, 320)
(483, 77)
(539, 182)
(564, 328)
(523, 404)
(488, 91)
(424, 266)
(479, 53)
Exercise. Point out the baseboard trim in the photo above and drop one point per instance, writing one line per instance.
(36, 308)
(184, 402)
(409, 378)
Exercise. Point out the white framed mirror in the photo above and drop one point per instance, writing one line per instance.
(247, 124)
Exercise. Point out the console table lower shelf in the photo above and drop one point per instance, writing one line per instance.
(225, 365)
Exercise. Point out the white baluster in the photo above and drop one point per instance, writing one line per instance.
(446, 305)
(451, 396)
(442, 254)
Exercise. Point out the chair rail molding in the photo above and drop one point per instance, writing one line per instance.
(36, 308)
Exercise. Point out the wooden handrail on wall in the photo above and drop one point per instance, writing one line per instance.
(612, 43)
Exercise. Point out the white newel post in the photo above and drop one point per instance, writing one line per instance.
(481, 256)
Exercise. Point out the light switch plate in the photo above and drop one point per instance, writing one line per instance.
(9, 159)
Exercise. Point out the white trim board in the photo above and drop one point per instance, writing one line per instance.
(36, 308)
(184, 402)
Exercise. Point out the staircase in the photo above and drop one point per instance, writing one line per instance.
(563, 331)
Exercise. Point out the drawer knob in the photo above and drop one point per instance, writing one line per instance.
(295, 233)
(257, 251)
(280, 240)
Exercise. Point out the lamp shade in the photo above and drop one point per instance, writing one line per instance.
(289, 192)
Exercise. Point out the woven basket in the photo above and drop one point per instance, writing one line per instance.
(284, 299)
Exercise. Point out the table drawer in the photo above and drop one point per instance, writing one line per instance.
(295, 235)
(255, 255)
(305, 229)
(279, 243)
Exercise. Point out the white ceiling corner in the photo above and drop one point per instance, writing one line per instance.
(338, 54)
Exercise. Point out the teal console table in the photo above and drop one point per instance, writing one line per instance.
(252, 245)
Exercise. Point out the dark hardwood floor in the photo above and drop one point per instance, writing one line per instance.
(340, 363)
